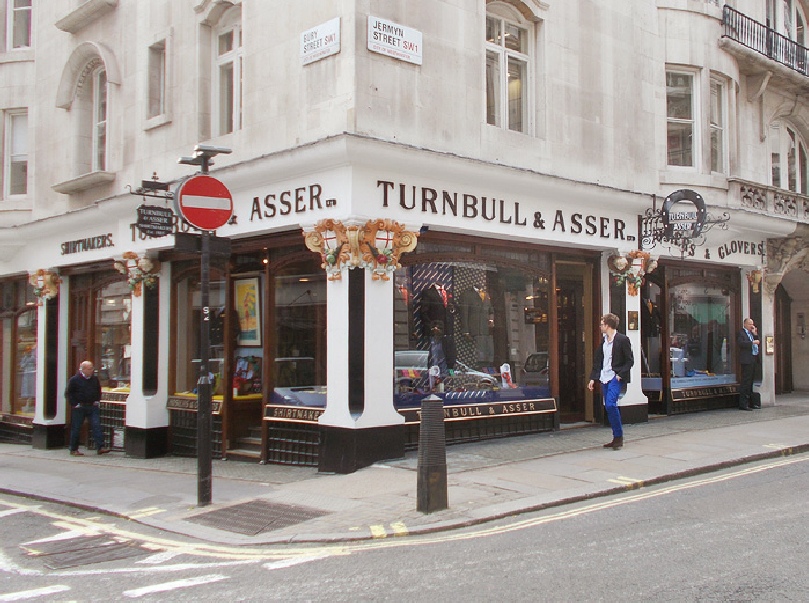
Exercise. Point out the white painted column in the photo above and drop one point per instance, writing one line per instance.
(142, 411)
(378, 362)
(767, 327)
(338, 349)
(634, 392)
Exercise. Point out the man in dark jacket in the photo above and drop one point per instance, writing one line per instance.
(748, 343)
(84, 396)
(612, 365)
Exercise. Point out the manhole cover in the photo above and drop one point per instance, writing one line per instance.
(256, 516)
(84, 550)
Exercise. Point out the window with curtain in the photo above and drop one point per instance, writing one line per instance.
(15, 168)
(228, 60)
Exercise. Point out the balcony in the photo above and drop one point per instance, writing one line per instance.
(762, 51)
(768, 200)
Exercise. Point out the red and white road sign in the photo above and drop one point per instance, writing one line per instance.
(205, 202)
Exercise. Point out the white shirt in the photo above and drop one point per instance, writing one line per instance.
(607, 374)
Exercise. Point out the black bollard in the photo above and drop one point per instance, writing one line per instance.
(431, 488)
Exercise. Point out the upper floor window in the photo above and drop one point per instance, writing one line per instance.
(680, 116)
(157, 79)
(99, 128)
(18, 23)
(717, 125)
(228, 60)
(788, 159)
(15, 154)
(508, 62)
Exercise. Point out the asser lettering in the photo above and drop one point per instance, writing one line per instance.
(88, 244)
(470, 206)
(298, 201)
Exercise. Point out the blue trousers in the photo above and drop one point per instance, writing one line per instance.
(77, 416)
(612, 391)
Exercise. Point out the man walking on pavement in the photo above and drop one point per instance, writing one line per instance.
(84, 396)
(748, 343)
(612, 364)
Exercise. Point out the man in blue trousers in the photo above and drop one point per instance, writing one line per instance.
(84, 396)
(612, 365)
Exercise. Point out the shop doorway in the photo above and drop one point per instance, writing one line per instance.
(573, 307)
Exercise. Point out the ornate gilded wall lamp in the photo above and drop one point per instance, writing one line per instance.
(754, 278)
(631, 269)
(45, 283)
(377, 245)
(139, 272)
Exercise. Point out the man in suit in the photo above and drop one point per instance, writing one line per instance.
(612, 365)
(747, 342)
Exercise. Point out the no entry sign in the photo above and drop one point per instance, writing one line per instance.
(205, 202)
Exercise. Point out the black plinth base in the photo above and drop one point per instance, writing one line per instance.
(48, 437)
(344, 450)
(146, 443)
(634, 413)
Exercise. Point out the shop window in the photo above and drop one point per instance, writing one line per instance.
(509, 41)
(300, 344)
(701, 335)
(186, 340)
(485, 327)
(25, 381)
(113, 339)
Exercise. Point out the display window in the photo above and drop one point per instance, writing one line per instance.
(186, 339)
(471, 331)
(25, 355)
(113, 335)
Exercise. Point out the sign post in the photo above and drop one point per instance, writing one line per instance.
(207, 204)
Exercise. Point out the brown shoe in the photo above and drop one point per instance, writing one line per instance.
(76, 453)
(609, 444)
(618, 443)
(103, 451)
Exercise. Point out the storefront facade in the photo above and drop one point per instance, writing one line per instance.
(471, 206)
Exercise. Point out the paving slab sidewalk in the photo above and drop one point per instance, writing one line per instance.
(486, 480)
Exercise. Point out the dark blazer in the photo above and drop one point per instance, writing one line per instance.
(745, 347)
(622, 358)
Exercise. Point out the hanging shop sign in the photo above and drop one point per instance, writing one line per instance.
(394, 40)
(681, 223)
(155, 221)
(320, 42)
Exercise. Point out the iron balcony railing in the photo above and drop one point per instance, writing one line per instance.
(764, 40)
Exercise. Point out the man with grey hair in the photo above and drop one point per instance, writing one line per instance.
(84, 396)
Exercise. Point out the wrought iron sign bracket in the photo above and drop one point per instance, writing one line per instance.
(153, 188)
(680, 224)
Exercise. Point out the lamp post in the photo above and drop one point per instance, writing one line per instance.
(202, 158)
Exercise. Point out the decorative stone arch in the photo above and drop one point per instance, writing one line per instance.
(211, 11)
(786, 254)
(530, 9)
(82, 62)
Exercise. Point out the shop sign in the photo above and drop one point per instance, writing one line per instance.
(320, 42)
(155, 221)
(294, 414)
(394, 40)
(300, 200)
(711, 391)
(740, 247)
(681, 223)
(483, 208)
(463, 412)
(88, 244)
(190, 404)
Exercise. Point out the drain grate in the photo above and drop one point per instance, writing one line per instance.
(256, 517)
(84, 550)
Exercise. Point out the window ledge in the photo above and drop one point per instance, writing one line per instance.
(157, 121)
(84, 14)
(83, 182)
(17, 55)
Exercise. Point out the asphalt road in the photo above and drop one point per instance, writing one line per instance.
(738, 535)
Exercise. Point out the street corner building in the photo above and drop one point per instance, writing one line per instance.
(429, 198)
